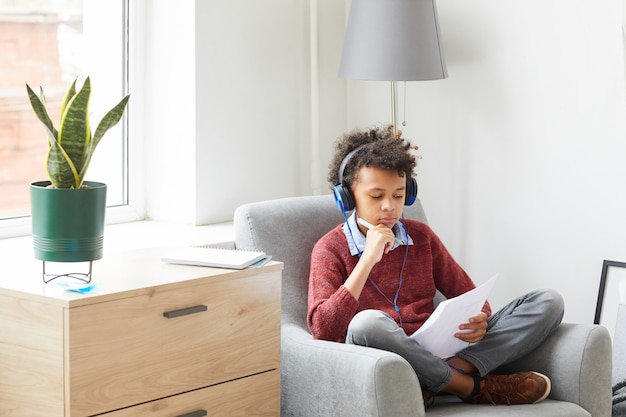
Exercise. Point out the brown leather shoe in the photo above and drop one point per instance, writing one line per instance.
(517, 388)
(428, 396)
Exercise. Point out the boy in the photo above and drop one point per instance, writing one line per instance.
(374, 286)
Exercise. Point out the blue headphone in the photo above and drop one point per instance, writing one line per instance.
(343, 195)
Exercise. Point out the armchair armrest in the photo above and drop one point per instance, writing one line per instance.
(321, 378)
(577, 358)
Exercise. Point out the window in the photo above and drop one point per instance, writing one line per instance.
(50, 43)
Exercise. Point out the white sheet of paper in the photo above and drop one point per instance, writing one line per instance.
(437, 333)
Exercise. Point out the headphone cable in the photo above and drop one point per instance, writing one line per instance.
(394, 303)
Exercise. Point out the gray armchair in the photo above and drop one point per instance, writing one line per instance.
(320, 378)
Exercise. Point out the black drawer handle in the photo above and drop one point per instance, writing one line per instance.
(184, 312)
(199, 413)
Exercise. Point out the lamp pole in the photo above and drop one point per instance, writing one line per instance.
(394, 106)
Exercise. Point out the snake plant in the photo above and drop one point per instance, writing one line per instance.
(72, 145)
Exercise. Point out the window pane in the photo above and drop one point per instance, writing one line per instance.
(50, 43)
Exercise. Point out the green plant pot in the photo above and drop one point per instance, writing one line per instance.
(68, 224)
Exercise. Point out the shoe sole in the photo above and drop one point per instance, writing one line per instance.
(548, 389)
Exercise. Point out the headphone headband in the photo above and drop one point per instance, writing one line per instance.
(345, 161)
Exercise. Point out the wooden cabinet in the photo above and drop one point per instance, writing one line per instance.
(153, 340)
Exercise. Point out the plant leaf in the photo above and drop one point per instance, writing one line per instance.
(109, 120)
(74, 133)
(39, 108)
(71, 92)
(61, 170)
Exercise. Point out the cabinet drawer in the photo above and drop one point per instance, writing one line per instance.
(126, 352)
(254, 396)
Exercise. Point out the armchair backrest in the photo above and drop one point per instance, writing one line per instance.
(288, 229)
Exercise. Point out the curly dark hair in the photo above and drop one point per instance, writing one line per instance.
(380, 148)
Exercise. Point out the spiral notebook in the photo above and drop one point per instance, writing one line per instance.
(214, 257)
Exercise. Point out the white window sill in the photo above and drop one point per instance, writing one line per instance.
(136, 235)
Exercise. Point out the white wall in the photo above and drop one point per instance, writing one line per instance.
(227, 105)
(252, 103)
(523, 145)
(164, 73)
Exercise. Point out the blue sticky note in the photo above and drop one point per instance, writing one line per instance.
(81, 288)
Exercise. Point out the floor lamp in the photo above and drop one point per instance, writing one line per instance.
(393, 40)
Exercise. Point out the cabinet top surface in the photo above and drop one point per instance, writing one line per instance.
(115, 276)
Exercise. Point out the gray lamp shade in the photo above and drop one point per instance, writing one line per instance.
(393, 40)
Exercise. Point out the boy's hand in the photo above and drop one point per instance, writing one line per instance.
(474, 330)
(379, 240)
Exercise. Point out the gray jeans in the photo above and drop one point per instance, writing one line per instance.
(512, 332)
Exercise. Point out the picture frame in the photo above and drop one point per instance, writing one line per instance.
(611, 293)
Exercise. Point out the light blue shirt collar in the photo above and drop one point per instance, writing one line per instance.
(356, 239)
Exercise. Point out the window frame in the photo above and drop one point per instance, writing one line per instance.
(133, 208)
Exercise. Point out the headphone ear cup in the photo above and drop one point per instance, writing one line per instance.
(411, 192)
(343, 198)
